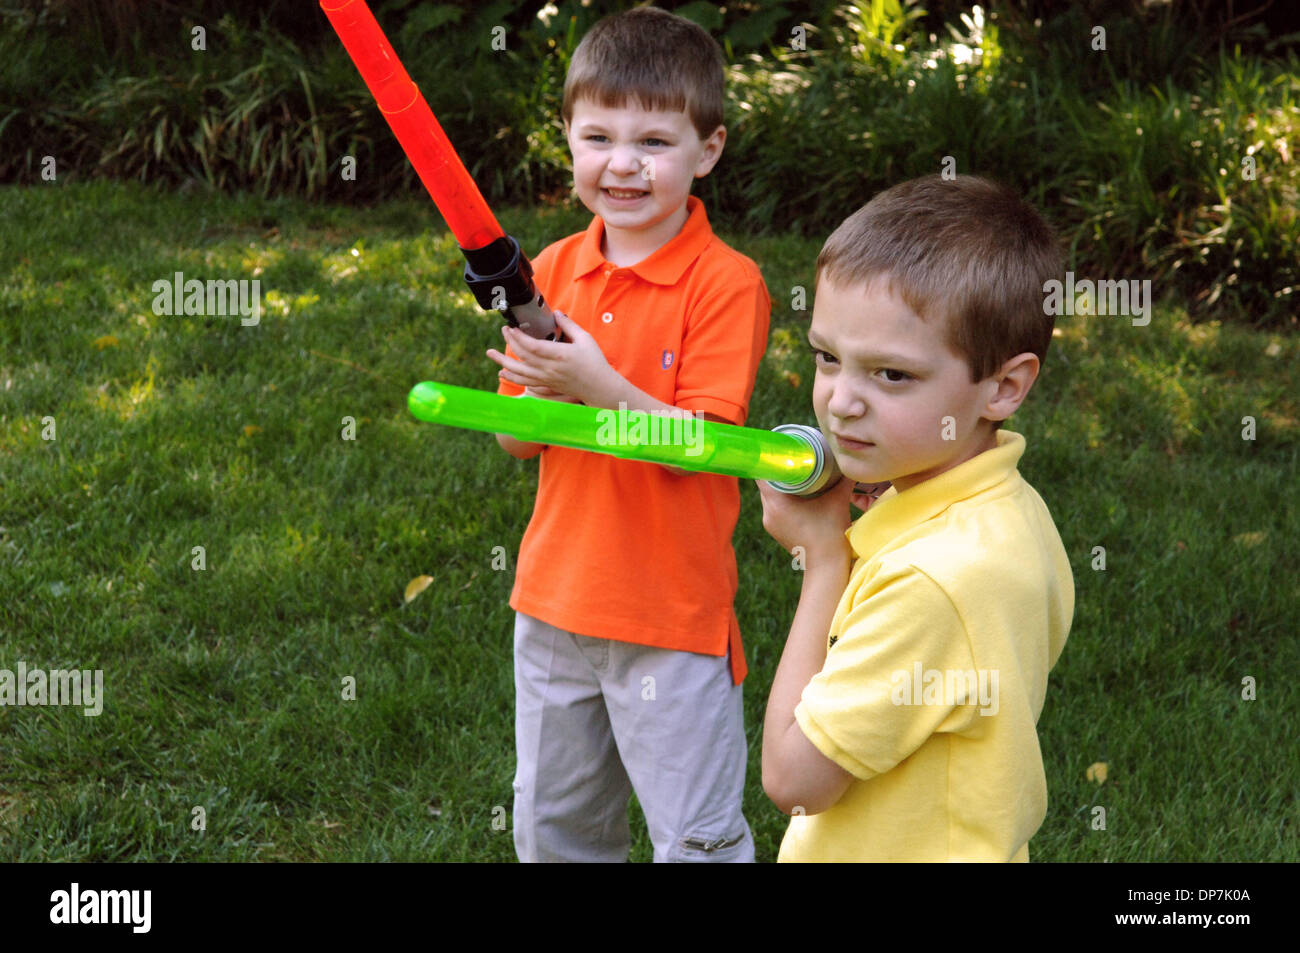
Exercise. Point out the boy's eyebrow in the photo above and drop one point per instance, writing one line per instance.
(590, 125)
(880, 358)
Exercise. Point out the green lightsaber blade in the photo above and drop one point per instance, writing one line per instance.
(793, 458)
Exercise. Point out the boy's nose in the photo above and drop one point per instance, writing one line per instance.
(625, 161)
(844, 404)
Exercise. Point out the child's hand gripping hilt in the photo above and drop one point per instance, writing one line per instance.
(501, 277)
(826, 472)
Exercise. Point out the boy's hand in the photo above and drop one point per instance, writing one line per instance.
(575, 367)
(817, 525)
(865, 494)
(547, 394)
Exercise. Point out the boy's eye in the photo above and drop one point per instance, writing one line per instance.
(820, 356)
(655, 142)
(898, 376)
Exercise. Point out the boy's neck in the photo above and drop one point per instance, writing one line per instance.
(624, 248)
(988, 441)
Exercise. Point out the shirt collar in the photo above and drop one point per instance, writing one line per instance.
(895, 513)
(668, 263)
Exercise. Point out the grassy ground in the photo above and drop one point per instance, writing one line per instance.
(224, 685)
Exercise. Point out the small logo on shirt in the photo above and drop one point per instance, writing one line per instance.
(667, 360)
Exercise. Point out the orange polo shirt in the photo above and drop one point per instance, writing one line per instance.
(625, 550)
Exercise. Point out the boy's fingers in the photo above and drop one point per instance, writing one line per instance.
(570, 327)
(519, 343)
(529, 346)
(521, 380)
(512, 370)
(505, 360)
(865, 494)
(508, 361)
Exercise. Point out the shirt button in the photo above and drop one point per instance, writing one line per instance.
(608, 272)
(607, 317)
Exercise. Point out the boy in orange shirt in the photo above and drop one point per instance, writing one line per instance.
(628, 659)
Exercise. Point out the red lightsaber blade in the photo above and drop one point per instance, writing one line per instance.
(496, 270)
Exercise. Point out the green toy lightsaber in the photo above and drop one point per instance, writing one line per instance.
(793, 458)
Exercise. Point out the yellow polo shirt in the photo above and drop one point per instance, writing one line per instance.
(958, 606)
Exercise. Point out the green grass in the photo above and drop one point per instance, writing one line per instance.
(224, 685)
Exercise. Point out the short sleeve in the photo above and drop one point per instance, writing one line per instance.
(886, 686)
(724, 339)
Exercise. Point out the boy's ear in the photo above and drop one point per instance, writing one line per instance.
(712, 151)
(1012, 382)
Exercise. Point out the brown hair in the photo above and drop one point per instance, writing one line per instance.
(661, 60)
(966, 251)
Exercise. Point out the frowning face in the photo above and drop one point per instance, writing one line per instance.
(893, 399)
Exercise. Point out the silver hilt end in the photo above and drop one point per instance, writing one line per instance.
(826, 472)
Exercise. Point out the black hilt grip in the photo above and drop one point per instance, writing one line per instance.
(501, 278)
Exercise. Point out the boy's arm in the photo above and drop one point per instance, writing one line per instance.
(576, 368)
(861, 709)
(796, 775)
(524, 449)
(521, 449)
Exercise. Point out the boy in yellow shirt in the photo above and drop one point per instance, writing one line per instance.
(902, 721)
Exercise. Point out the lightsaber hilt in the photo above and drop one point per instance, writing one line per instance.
(501, 277)
(825, 471)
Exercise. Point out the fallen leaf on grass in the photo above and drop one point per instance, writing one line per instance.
(417, 586)
(108, 340)
(1096, 772)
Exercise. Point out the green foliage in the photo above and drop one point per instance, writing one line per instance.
(1135, 153)
(880, 27)
(1198, 190)
(1141, 182)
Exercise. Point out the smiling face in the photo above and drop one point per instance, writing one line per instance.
(886, 381)
(634, 168)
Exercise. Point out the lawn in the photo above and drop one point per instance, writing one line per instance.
(225, 685)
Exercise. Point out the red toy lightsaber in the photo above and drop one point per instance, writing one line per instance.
(496, 269)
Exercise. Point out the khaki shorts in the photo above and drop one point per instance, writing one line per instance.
(596, 719)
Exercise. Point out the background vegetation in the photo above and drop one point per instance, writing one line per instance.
(1136, 151)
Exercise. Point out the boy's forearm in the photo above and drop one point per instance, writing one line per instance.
(826, 575)
(615, 391)
(521, 449)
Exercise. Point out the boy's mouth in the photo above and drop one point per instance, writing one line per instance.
(624, 195)
(851, 445)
